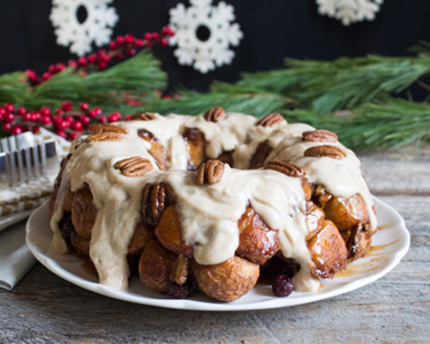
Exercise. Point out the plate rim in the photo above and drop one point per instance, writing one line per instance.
(213, 305)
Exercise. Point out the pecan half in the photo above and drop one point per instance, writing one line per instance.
(215, 114)
(287, 168)
(134, 167)
(325, 151)
(210, 172)
(319, 135)
(106, 136)
(155, 198)
(179, 273)
(99, 128)
(146, 116)
(270, 120)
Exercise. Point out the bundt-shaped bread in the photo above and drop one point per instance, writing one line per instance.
(209, 202)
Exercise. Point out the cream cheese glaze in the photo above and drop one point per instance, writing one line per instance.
(208, 213)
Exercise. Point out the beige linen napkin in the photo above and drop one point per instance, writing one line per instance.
(15, 257)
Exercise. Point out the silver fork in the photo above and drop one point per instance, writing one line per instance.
(23, 160)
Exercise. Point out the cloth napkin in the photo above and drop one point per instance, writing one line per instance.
(15, 257)
(17, 205)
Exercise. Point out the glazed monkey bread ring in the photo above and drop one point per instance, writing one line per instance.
(211, 202)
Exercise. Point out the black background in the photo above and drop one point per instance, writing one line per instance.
(273, 29)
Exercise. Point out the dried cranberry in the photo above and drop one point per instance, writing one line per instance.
(282, 286)
(181, 291)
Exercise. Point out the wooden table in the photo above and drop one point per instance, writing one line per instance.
(396, 309)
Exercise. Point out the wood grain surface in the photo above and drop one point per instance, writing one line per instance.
(395, 309)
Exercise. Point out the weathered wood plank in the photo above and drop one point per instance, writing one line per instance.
(46, 309)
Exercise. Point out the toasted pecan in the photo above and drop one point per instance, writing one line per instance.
(319, 135)
(134, 167)
(215, 114)
(105, 136)
(270, 120)
(155, 198)
(328, 151)
(98, 128)
(146, 116)
(287, 168)
(210, 172)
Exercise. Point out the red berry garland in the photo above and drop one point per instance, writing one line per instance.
(122, 46)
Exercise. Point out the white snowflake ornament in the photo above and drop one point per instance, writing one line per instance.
(203, 34)
(349, 11)
(95, 28)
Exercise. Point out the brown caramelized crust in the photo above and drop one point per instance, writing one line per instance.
(155, 266)
(328, 251)
(157, 150)
(315, 217)
(195, 145)
(169, 232)
(260, 155)
(257, 242)
(81, 245)
(226, 158)
(346, 213)
(358, 240)
(227, 281)
(84, 212)
(141, 237)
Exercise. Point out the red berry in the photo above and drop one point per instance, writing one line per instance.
(119, 56)
(82, 61)
(148, 36)
(62, 134)
(45, 111)
(167, 31)
(67, 105)
(36, 116)
(52, 69)
(69, 119)
(9, 107)
(95, 112)
(46, 76)
(60, 66)
(72, 63)
(130, 52)
(120, 40)
(114, 117)
(28, 117)
(35, 129)
(84, 106)
(1, 117)
(77, 126)
(128, 118)
(102, 52)
(62, 124)
(155, 36)
(149, 45)
(8, 117)
(59, 111)
(73, 136)
(113, 45)
(25, 128)
(30, 73)
(45, 120)
(85, 120)
(6, 126)
(102, 65)
(22, 111)
(139, 43)
(105, 58)
(164, 42)
(16, 130)
(2, 111)
(129, 38)
(103, 119)
(57, 119)
(93, 58)
(282, 286)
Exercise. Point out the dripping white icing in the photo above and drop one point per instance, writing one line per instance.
(209, 213)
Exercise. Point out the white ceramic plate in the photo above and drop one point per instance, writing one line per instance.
(389, 245)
